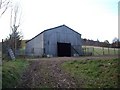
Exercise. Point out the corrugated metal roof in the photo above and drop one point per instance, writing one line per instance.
(52, 29)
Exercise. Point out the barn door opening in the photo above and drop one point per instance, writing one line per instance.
(63, 49)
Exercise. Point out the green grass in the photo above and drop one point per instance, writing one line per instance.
(99, 50)
(94, 73)
(0, 76)
(11, 72)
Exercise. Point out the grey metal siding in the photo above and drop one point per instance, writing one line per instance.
(46, 42)
(35, 46)
(63, 35)
(50, 43)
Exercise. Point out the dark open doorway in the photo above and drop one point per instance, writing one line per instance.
(64, 49)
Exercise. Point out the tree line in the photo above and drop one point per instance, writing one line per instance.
(115, 43)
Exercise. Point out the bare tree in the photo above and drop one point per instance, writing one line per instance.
(15, 36)
(116, 43)
(106, 43)
(115, 40)
(13, 41)
(4, 4)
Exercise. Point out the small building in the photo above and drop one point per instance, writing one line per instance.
(57, 41)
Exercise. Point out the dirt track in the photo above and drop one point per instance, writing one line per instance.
(47, 73)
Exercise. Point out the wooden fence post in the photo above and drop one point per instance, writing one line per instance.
(88, 49)
(114, 51)
(108, 51)
(85, 50)
(103, 50)
(93, 50)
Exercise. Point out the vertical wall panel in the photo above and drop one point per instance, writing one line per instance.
(47, 41)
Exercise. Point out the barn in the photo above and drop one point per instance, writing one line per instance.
(58, 41)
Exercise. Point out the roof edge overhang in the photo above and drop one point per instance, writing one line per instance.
(52, 29)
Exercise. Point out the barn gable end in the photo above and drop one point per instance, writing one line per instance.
(46, 43)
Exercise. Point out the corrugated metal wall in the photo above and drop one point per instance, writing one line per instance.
(63, 35)
(35, 46)
(46, 42)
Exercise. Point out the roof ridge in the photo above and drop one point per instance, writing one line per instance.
(51, 29)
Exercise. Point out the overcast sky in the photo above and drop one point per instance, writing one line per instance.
(94, 19)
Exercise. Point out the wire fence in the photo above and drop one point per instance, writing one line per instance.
(92, 50)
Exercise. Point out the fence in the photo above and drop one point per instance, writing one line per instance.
(20, 52)
(92, 50)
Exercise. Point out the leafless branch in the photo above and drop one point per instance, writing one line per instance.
(4, 4)
(4, 11)
(15, 18)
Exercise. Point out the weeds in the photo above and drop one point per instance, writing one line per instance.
(11, 72)
(95, 73)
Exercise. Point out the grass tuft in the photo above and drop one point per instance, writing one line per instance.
(11, 72)
(94, 73)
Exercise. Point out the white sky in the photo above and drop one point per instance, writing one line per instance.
(94, 19)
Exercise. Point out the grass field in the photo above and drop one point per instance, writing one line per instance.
(0, 76)
(11, 72)
(100, 50)
(0, 68)
(94, 73)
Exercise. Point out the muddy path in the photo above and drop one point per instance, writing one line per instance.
(47, 73)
